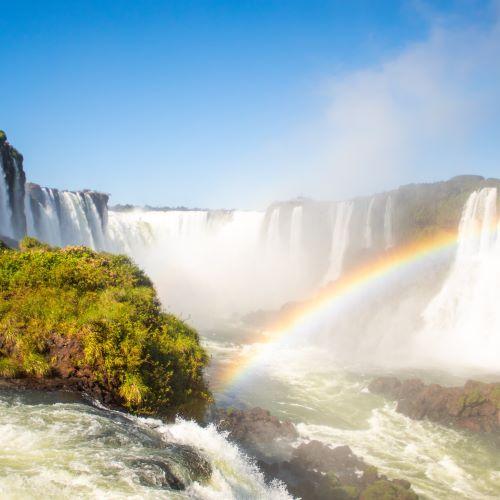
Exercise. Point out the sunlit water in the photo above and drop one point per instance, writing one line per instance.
(335, 406)
(55, 448)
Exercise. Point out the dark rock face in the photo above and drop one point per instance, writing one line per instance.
(311, 471)
(475, 407)
(11, 167)
(6, 242)
(264, 435)
(160, 470)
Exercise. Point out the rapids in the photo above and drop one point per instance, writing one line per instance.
(332, 404)
(66, 448)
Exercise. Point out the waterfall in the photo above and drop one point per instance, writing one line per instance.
(340, 239)
(296, 249)
(296, 234)
(64, 217)
(368, 234)
(75, 228)
(94, 221)
(388, 235)
(273, 238)
(42, 215)
(462, 323)
(5, 210)
(203, 263)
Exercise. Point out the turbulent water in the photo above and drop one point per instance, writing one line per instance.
(333, 405)
(68, 449)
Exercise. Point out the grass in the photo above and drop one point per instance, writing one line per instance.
(151, 361)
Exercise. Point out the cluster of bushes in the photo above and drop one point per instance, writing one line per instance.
(100, 313)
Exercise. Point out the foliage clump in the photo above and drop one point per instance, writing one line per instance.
(95, 317)
(387, 490)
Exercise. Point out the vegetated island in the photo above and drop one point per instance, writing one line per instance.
(72, 318)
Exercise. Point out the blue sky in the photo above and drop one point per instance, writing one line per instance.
(237, 103)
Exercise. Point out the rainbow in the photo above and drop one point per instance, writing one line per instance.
(346, 286)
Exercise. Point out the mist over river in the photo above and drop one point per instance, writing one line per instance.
(332, 404)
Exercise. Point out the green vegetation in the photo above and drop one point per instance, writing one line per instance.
(90, 316)
(495, 396)
(3, 136)
(425, 210)
(473, 397)
(386, 490)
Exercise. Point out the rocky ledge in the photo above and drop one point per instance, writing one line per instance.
(475, 406)
(311, 470)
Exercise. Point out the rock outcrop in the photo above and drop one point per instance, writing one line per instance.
(312, 470)
(475, 406)
(77, 319)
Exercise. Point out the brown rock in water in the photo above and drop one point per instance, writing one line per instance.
(475, 407)
(263, 434)
(312, 470)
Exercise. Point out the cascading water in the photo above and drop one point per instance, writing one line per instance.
(388, 235)
(17, 202)
(368, 233)
(340, 239)
(273, 237)
(463, 320)
(64, 217)
(67, 449)
(5, 210)
(203, 263)
(94, 221)
(43, 220)
(75, 227)
(296, 234)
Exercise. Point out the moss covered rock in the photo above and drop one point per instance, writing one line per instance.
(387, 490)
(94, 320)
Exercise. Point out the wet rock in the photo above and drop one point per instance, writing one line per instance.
(156, 473)
(387, 490)
(263, 434)
(475, 406)
(161, 471)
(6, 242)
(312, 470)
(340, 461)
(198, 467)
